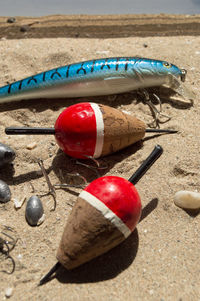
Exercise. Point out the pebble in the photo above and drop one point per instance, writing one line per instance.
(18, 203)
(24, 28)
(187, 199)
(34, 210)
(8, 292)
(20, 256)
(7, 154)
(5, 194)
(41, 220)
(31, 145)
(11, 20)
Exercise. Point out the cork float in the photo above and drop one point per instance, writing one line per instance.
(92, 130)
(105, 214)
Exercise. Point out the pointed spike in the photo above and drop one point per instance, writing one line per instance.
(161, 131)
(155, 154)
(29, 131)
(51, 272)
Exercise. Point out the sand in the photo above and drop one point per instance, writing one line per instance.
(160, 260)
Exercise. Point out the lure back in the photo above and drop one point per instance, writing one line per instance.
(91, 78)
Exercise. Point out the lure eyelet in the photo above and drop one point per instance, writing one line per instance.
(183, 74)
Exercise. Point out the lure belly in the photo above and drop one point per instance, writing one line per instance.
(91, 78)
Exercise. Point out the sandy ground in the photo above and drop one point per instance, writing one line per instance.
(103, 26)
(160, 260)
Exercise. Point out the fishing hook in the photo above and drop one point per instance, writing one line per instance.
(50, 186)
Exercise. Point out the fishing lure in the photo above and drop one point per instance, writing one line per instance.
(95, 77)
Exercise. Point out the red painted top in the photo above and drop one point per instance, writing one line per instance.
(75, 130)
(120, 196)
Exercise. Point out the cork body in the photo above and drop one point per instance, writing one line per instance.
(90, 129)
(120, 129)
(87, 235)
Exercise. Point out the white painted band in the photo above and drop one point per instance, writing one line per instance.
(100, 130)
(107, 213)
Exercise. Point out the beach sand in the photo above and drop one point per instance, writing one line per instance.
(160, 260)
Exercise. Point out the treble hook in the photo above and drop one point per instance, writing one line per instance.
(50, 186)
(156, 113)
(65, 185)
(4, 243)
(93, 168)
(13, 265)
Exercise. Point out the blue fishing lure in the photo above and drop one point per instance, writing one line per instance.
(95, 77)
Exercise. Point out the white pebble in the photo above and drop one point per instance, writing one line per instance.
(31, 145)
(41, 220)
(102, 52)
(18, 203)
(20, 256)
(187, 199)
(8, 292)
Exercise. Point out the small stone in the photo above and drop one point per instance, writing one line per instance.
(8, 292)
(105, 52)
(31, 145)
(24, 28)
(20, 256)
(18, 203)
(41, 220)
(145, 45)
(187, 199)
(5, 194)
(11, 20)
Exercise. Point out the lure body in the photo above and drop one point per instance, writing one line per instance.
(88, 129)
(105, 214)
(91, 78)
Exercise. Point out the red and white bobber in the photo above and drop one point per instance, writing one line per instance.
(105, 214)
(92, 130)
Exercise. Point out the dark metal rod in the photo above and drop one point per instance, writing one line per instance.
(51, 272)
(161, 131)
(155, 154)
(29, 131)
(51, 131)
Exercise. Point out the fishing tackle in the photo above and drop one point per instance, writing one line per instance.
(106, 213)
(92, 130)
(50, 186)
(5, 193)
(7, 244)
(34, 210)
(7, 154)
(96, 77)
